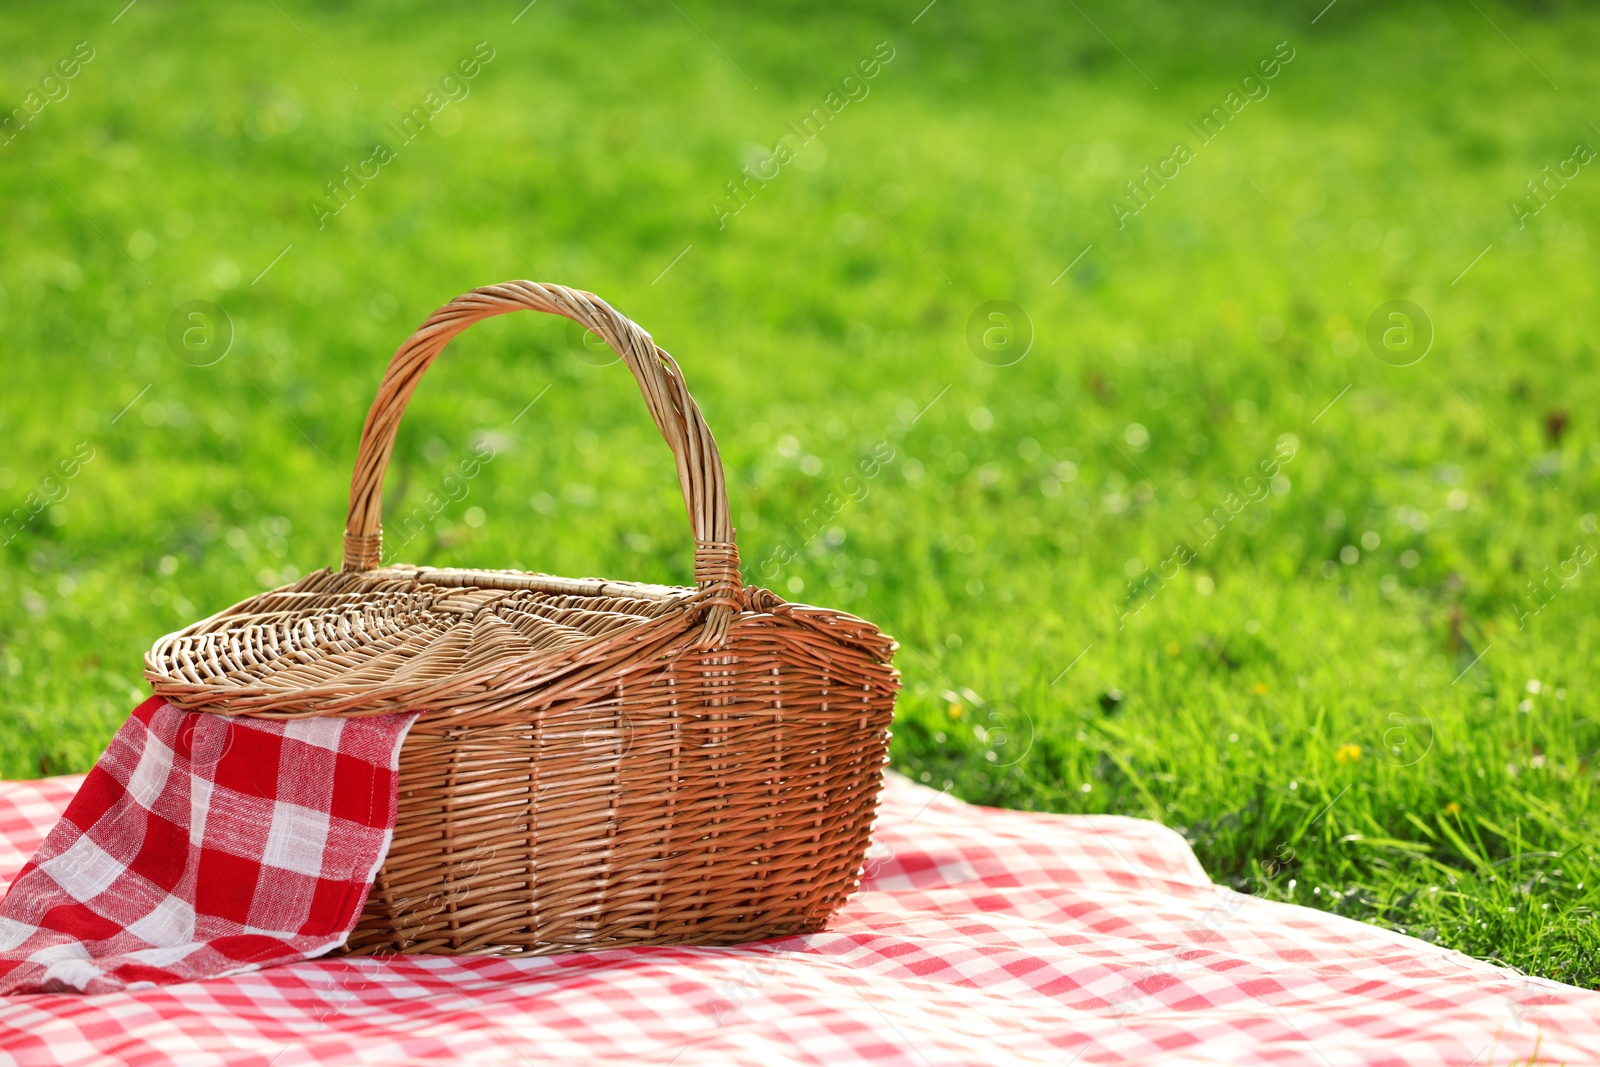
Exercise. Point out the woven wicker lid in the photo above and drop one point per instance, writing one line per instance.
(364, 643)
(369, 638)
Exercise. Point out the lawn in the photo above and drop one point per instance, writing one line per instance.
(1194, 530)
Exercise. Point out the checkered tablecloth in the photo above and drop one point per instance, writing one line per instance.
(979, 936)
(202, 845)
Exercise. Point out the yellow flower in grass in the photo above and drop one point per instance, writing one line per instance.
(1452, 808)
(1348, 753)
(954, 711)
(1259, 689)
(1173, 648)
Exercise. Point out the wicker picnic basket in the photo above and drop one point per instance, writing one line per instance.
(599, 763)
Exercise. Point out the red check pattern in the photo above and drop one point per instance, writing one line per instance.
(978, 937)
(202, 846)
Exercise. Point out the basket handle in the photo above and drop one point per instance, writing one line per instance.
(716, 558)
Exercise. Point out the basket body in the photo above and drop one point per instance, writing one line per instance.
(602, 781)
(597, 763)
(704, 800)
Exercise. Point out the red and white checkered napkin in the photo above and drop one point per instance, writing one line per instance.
(979, 936)
(201, 846)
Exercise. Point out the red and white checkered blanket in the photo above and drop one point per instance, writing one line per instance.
(978, 936)
(202, 846)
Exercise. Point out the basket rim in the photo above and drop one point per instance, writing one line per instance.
(627, 649)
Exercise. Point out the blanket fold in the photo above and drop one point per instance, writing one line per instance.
(201, 846)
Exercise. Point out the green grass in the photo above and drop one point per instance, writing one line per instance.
(1387, 733)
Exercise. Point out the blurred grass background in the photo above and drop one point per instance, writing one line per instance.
(1352, 697)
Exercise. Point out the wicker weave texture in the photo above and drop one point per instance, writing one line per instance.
(709, 799)
(599, 763)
